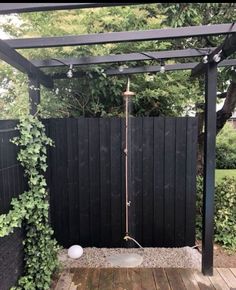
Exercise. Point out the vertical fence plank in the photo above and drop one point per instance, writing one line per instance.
(12, 184)
(137, 176)
(169, 187)
(73, 180)
(191, 166)
(116, 231)
(105, 182)
(180, 170)
(158, 181)
(94, 175)
(84, 194)
(147, 181)
(62, 179)
(122, 157)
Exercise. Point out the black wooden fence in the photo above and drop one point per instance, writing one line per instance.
(11, 185)
(87, 189)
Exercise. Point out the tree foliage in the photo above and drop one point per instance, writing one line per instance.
(95, 94)
(225, 148)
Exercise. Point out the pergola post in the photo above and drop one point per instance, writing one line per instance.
(34, 95)
(209, 168)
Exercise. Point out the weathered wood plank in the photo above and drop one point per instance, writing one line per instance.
(233, 270)
(175, 280)
(228, 277)
(160, 278)
(218, 281)
(133, 275)
(64, 281)
(93, 279)
(147, 279)
(119, 278)
(204, 282)
(188, 278)
(106, 279)
(80, 277)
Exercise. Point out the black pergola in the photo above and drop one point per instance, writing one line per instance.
(215, 56)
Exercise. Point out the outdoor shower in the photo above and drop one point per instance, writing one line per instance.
(128, 102)
(127, 259)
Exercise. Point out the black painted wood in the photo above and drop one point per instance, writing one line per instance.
(6, 8)
(137, 178)
(12, 57)
(169, 183)
(191, 170)
(124, 36)
(116, 189)
(12, 183)
(209, 169)
(147, 194)
(73, 181)
(105, 181)
(94, 175)
(90, 199)
(154, 68)
(158, 180)
(180, 161)
(84, 181)
(88, 60)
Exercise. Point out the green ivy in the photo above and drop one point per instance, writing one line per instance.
(225, 212)
(32, 207)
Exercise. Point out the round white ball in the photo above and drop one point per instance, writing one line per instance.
(75, 252)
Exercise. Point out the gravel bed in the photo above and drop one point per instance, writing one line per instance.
(185, 257)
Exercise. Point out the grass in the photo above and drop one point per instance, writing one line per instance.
(220, 173)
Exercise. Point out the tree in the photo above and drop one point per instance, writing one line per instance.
(184, 14)
(94, 94)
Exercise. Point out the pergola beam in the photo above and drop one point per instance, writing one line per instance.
(126, 36)
(168, 67)
(88, 60)
(16, 60)
(225, 50)
(209, 168)
(6, 8)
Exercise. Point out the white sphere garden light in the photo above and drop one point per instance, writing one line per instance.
(75, 252)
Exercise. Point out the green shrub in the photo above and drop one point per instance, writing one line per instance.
(225, 148)
(225, 212)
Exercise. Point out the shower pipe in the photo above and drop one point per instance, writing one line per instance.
(127, 94)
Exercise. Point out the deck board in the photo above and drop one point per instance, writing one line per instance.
(218, 281)
(228, 276)
(145, 279)
(175, 280)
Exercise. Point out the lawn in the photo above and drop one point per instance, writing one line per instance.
(220, 173)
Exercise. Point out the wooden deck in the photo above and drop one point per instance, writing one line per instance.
(145, 279)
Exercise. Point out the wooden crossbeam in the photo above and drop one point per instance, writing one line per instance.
(87, 60)
(16, 60)
(6, 8)
(126, 36)
(168, 67)
(225, 50)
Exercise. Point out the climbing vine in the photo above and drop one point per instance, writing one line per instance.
(31, 208)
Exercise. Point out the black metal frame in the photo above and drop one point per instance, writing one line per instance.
(124, 36)
(6, 8)
(37, 77)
